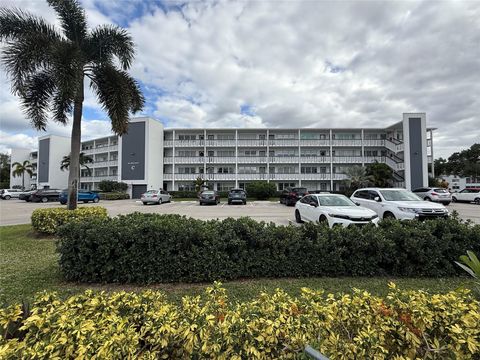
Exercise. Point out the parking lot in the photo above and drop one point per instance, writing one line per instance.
(13, 212)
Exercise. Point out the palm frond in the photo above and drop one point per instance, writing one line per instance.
(36, 96)
(107, 41)
(118, 93)
(72, 18)
(16, 24)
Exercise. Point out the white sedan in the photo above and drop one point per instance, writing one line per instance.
(156, 197)
(332, 209)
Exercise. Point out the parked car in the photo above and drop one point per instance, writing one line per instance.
(290, 196)
(209, 197)
(333, 209)
(45, 195)
(25, 195)
(82, 195)
(156, 197)
(398, 203)
(434, 194)
(7, 194)
(467, 195)
(237, 196)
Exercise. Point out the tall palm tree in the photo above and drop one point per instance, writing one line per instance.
(48, 68)
(19, 169)
(83, 160)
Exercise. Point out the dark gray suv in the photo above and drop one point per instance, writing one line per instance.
(237, 196)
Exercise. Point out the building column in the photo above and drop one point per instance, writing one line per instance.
(173, 161)
(205, 154)
(236, 158)
(363, 149)
(268, 155)
(299, 161)
(331, 161)
(431, 153)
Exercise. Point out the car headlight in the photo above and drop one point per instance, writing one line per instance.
(409, 210)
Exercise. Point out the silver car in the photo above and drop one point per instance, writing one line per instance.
(7, 194)
(155, 197)
(436, 194)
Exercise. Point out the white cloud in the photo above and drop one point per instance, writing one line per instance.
(303, 63)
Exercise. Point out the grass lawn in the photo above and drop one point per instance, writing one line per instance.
(28, 264)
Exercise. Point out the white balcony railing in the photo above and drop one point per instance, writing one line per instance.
(348, 159)
(374, 142)
(315, 176)
(284, 159)
(98, 178)
(356, 142)
(225, 143)
(220, 159)
(315, 159)
(283, 142)
(372, 159)
(252, 142)
(314, 142)
(184, 159)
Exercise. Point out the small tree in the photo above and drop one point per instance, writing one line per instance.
(357, 178)
(20, 169)
(261, 190)
(4, 171)
(199, 184)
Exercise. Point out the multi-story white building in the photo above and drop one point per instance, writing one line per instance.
(152, 157)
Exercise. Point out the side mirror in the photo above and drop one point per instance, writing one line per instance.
(377, 199)
(358, 204)
(314, 204)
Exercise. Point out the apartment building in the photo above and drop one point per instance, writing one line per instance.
(152, 157)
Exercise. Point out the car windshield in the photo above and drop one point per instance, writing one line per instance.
(300, 190)
(441, 191)
(151, 192)
(399, 195)
(335, 200)
(237, 191)
(208, 193)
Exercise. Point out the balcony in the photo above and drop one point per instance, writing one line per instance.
(98, 178)
(256, 176)
(348, 159)
(314, 142)
(339, 176)
(374, 142)
(184, 160)
(252, 142)
(356, 142)
(394, 145)
(315, 159)
(104, 163)
(184, 143)
(220, 159)
(284, 159)
(372, 159)
(315, 176)
(252, 159)
(219, 143)
(283, 142)
(281, 176)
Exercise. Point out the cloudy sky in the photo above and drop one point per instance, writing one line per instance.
(288, 64)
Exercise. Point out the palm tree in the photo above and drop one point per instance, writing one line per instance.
(48, 68)
(20, 169)
(357, 177)
(83, 161)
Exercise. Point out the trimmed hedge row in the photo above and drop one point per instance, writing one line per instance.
(123, 325)
(47, 221)
(113, 196)
(146, 248)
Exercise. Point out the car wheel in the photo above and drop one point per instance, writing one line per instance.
(160, 201)
(144, 202)
(447, 203)
(95, 200)
(388, 215)
(201, 203)
(44, 199)
(477, 201)
(298, 217)
(427, 199)
(244, 203)
(323, 220)
(8, 197)
(454, 199)
(85, 201)
(229, 203)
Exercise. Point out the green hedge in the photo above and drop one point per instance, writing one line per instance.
(48, 220)
(144, 248)
(113, 196)
(403, 325)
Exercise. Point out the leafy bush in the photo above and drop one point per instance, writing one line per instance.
(261, 190)
(114, 196)
(47, 221)
(183, 194)
(112, 186)
(406, 324)
(144, 248)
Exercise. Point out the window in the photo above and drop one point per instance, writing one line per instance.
(284, 186)
(286, 170)
(309, 170)
(186, 137)
(186, 187)
(261, 137)
(226, 137)
(186, 153)
(323, 186)
(225, 153)
(186, 170)
(225, 186)
(225, 170)
(250, 153)
(247, 170)
(362, 194)
(211, 137)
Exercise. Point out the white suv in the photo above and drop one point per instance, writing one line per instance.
(397, 203)
(467, 195)
(7, 194)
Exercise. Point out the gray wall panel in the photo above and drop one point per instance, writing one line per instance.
(133, 152)
(43, 160)
(416, 152)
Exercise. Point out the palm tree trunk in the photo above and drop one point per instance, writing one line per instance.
(74, 169)
(23, 180)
